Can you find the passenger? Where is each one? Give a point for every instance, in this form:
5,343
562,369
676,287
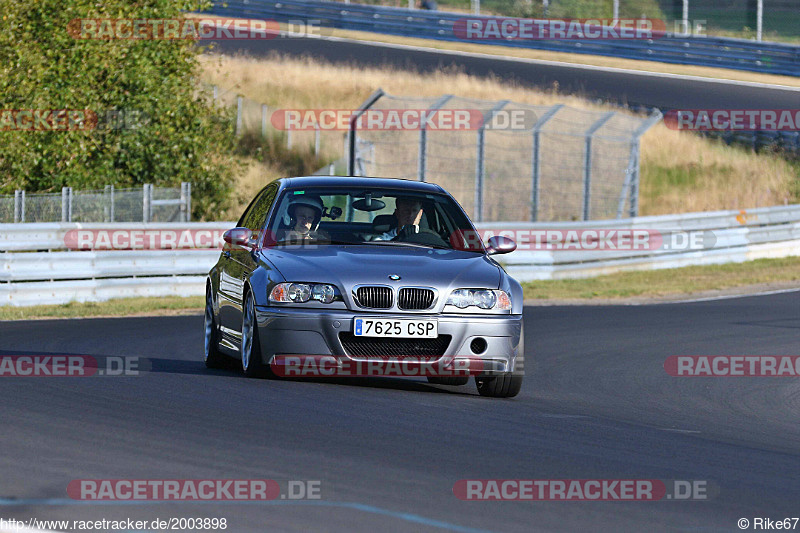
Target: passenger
408,212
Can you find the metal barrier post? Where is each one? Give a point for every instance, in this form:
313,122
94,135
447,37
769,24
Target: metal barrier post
422,160
264,120
351,138
587,162
479,163
112,204
316,139
536,163
22,204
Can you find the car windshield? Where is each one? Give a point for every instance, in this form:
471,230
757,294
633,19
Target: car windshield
376,217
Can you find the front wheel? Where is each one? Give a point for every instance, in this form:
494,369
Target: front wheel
505,385
212,356
250,350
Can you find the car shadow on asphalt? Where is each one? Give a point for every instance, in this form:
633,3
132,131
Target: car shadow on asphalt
232,369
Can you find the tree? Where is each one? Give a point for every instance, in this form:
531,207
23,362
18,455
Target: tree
147,121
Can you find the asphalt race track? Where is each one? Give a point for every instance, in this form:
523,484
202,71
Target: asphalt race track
616,86
597,404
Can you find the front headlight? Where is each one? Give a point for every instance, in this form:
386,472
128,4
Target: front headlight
302,292
482,298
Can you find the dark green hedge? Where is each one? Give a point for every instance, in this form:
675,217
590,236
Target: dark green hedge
171,134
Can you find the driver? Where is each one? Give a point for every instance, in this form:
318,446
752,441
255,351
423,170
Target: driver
305,213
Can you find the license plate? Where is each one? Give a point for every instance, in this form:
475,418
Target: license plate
405,328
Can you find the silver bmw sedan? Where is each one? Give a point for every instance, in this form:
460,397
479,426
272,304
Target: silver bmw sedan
332,273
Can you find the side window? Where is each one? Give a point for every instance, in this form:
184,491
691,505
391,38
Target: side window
255,216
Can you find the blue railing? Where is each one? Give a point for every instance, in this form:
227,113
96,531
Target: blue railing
740,54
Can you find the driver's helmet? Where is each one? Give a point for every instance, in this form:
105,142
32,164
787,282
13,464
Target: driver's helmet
313,202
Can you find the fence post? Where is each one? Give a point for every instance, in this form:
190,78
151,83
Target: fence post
587,162
316,139
263,120
422,162
147,198
476,7
288,136
16,205
351,134
188,201
239,115
182,217
479,164
759,20
536,163
22,204
634,165
216,92
112,203
66,204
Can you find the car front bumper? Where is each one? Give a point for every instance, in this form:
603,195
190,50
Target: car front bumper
312,332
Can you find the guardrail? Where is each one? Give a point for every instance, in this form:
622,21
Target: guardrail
30,275
740,54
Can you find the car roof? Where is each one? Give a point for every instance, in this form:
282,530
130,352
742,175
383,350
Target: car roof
358,181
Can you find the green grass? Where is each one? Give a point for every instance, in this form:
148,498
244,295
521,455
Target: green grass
668,282
118,307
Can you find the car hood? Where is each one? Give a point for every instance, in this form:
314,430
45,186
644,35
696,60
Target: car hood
350,265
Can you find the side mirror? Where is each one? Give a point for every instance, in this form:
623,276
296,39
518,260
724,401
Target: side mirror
500,245
239,237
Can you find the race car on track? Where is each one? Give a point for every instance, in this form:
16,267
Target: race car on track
360,269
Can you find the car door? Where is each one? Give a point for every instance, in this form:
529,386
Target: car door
237,265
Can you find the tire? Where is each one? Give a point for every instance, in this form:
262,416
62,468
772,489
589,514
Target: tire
449,380
505,385
250,350
508,384
212,357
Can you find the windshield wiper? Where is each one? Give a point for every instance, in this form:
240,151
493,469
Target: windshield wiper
414,244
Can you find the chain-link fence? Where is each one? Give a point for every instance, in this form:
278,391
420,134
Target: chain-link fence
146,204
511,161
254,117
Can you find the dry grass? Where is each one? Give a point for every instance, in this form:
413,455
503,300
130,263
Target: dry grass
255,177
684,173
681,172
